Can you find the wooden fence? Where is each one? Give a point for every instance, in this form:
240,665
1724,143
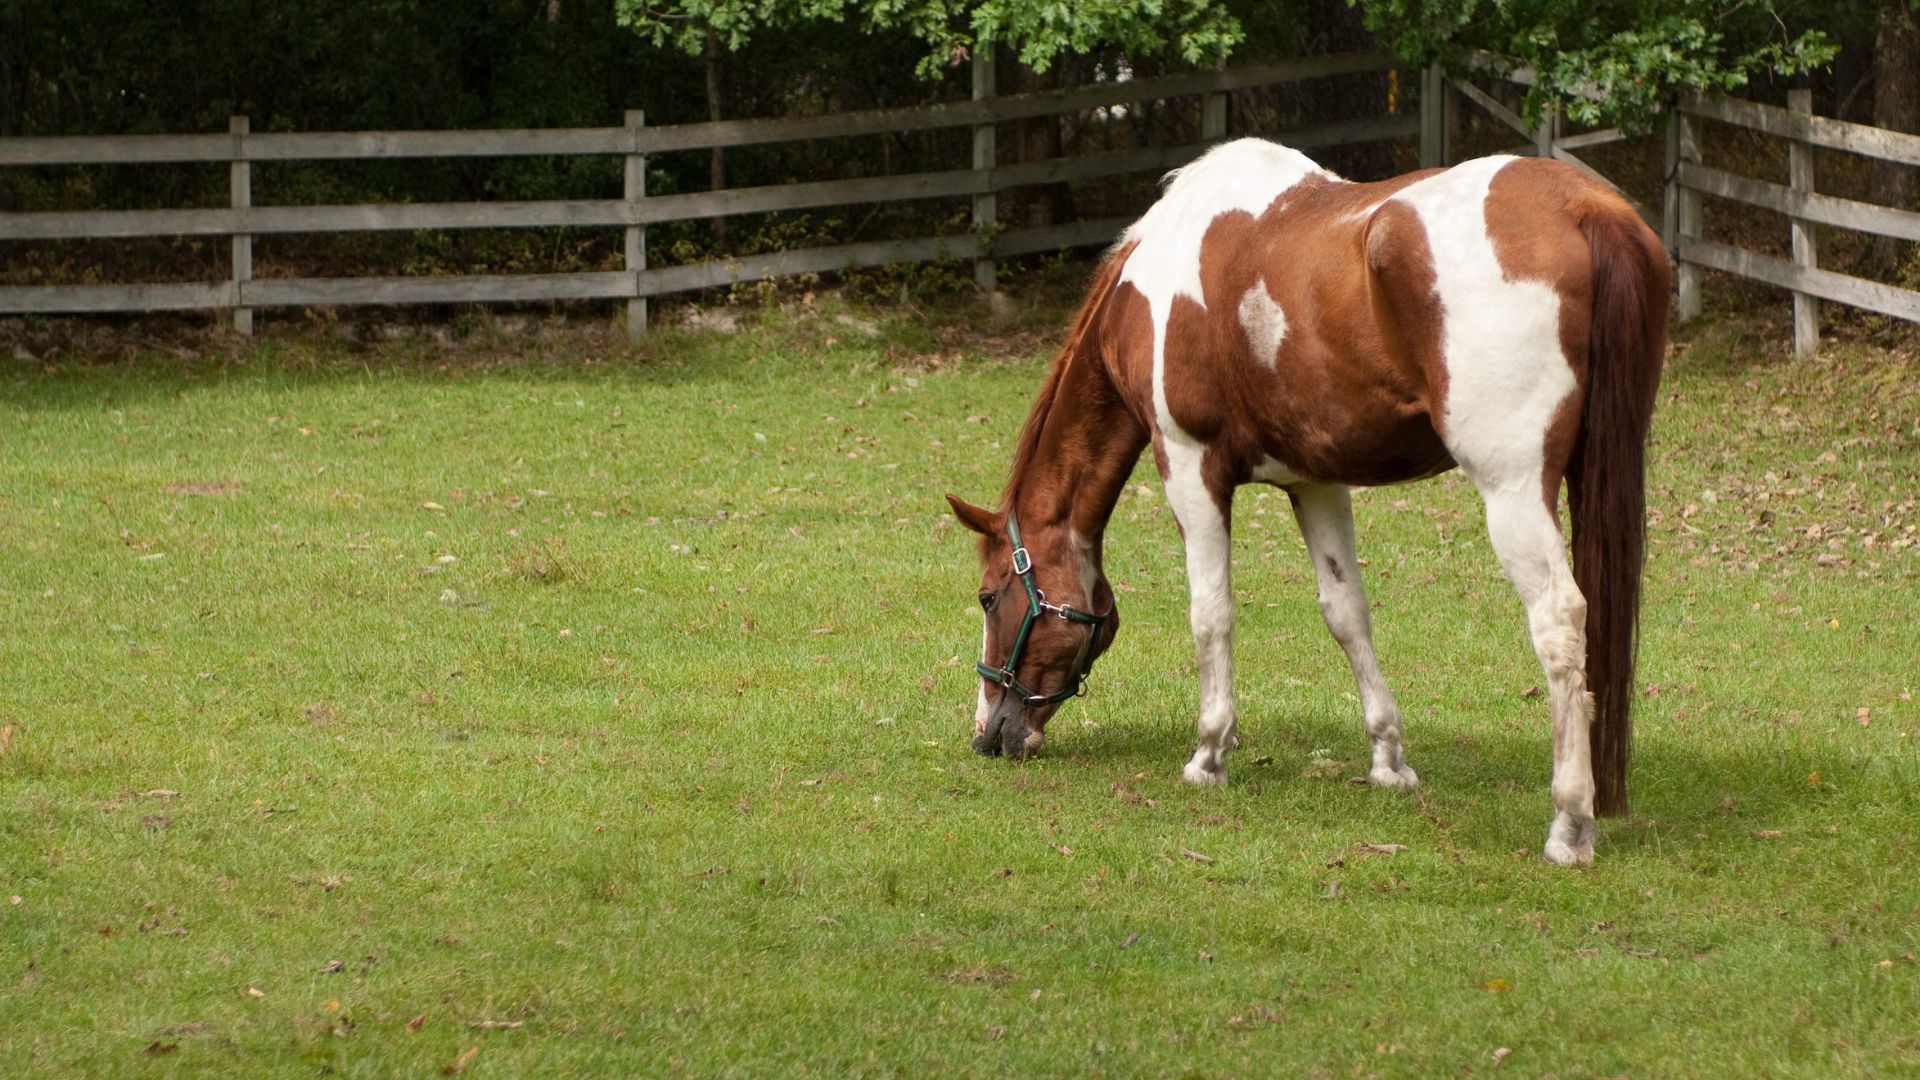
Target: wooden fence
635,210
1679,218
1689,178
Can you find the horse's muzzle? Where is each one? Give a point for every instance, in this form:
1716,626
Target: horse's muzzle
1008,732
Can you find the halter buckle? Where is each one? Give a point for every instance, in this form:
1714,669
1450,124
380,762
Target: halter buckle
1022,562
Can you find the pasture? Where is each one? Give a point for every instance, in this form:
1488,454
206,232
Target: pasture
538,704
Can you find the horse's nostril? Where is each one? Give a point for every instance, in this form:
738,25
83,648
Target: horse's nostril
988,740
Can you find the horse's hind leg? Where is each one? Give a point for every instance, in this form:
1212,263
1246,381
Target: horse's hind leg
1325,515
1527,539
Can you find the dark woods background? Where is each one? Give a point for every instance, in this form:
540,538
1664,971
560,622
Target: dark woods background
100,67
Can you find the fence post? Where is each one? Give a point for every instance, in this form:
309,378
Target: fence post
1213,116
1546,132
636,190
240,192
1433,117
1680,217
986,207
1806,307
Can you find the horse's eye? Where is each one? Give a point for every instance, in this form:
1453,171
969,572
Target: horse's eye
987,599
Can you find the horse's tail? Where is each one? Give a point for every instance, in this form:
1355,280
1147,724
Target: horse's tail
1606,478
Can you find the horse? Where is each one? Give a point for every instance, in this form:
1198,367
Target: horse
1267,321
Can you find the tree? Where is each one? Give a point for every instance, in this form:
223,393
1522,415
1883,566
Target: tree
1038,31
1616,60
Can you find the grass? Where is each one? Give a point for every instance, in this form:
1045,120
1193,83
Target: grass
533,706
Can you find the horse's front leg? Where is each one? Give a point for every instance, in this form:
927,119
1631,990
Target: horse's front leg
1204,512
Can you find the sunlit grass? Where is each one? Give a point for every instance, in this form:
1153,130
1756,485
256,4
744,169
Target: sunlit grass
619,701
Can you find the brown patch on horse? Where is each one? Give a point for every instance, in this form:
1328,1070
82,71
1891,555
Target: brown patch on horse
1333,567
1534,210
1339,402
1406,299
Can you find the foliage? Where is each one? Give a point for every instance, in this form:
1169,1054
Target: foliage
1615,62
1039,31
536,707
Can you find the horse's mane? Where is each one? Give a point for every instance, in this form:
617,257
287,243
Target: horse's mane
1077,341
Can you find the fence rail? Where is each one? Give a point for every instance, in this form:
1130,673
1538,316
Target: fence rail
635,210
1805,208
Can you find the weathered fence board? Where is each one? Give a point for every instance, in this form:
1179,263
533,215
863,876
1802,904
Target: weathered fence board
1818,130
1811,205
1805,209
1841,288
242,220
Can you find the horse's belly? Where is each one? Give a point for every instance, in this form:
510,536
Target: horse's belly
1365,444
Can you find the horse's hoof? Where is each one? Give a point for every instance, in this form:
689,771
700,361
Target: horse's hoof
1196,773
1402,777
1561,853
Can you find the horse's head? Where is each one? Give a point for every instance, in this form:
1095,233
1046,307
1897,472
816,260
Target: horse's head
1049,614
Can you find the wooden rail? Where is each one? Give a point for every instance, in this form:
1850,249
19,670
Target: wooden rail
1806,209
244,219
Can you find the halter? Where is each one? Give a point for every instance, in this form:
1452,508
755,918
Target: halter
1037,603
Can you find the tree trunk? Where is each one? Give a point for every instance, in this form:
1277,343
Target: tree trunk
717,175
1896,105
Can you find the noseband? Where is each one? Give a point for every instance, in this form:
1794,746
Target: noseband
1037,604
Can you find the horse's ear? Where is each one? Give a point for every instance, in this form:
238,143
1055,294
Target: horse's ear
979,519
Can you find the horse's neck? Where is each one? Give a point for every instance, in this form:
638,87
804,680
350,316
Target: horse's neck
1088,447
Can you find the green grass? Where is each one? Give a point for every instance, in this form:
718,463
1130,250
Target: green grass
624,697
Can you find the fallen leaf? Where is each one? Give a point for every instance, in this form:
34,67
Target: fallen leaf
1496,986
1767,834
156,1048
162,793
417,1022
6,738
1196,856
1864,715
334,967
431,506
1062,849
496,1025
460,1063
1206,957
1131,938
1385,849
1500,1055
1333,891
1530,692
254,991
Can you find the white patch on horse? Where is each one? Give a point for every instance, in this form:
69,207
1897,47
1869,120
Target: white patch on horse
1273,471
1496,331
982,711
1265,324
1248,176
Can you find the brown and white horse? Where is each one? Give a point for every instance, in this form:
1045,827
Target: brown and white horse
1267,321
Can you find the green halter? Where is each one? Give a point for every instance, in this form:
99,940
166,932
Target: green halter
1036,604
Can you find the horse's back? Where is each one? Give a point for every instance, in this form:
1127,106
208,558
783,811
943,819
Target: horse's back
1302,325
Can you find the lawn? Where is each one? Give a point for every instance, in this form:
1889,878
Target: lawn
531,704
